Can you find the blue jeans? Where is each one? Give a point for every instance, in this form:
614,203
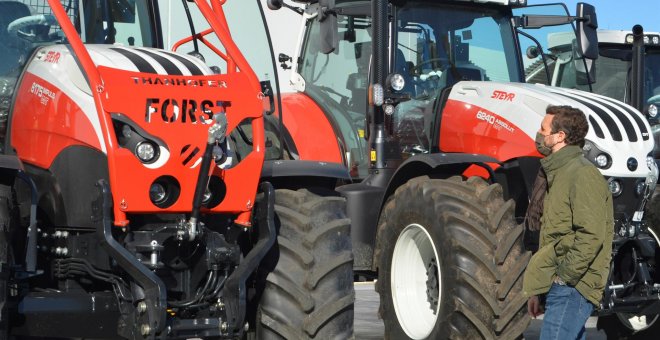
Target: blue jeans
566,312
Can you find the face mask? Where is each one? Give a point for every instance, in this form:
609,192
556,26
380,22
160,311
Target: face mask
540,144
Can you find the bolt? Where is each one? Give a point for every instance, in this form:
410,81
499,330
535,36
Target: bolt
65,234
246,327
141,307
58,234
145,329
220,304
44,235
224,326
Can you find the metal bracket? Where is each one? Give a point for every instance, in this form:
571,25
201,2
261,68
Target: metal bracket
155,294
234,291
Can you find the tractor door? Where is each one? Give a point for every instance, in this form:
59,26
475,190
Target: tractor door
337,82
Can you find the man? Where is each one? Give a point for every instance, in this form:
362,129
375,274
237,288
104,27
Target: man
577,223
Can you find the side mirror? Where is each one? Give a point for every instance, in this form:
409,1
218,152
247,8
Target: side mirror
328,26
275,4
532,52
586,30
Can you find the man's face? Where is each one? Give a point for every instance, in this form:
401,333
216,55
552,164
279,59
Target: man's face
551,139
546,130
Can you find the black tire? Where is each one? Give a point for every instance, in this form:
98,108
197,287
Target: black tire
309,294
474,278
652,210
6,220
615,329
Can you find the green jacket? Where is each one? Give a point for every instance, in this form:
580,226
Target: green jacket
577,227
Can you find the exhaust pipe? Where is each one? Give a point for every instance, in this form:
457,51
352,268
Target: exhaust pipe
637,69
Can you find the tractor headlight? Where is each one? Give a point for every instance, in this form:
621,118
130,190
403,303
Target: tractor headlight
598,157
602,161
630,38
652,111
639,188
615,187
147,152
157,193
396,81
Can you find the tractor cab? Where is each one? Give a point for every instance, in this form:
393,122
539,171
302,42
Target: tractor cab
433,46
26,25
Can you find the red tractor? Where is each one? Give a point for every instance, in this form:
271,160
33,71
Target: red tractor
425,104
134,200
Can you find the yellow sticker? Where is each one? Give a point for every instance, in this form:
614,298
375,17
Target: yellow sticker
373,155
361,133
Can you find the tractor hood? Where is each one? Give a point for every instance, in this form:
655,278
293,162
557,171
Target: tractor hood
142,59
615,128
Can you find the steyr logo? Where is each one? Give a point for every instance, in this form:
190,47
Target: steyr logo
501,95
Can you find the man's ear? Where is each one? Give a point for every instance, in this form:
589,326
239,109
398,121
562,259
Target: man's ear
562,135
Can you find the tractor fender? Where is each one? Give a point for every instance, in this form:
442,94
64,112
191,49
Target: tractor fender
296,174
10,163
436,163
9,166
365,200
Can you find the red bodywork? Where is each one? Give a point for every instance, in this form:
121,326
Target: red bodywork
310,129
61,124
468,128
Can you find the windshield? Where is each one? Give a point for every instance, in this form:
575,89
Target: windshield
613,73
438,46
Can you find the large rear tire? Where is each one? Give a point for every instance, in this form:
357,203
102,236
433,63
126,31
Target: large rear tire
309,294
6,220
451,261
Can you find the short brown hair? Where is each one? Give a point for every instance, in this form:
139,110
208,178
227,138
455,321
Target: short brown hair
570,120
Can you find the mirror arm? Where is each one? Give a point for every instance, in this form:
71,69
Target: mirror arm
543,55
298,10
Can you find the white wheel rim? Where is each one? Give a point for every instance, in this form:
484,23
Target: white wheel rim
413,252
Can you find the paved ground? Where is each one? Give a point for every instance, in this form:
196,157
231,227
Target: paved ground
368,326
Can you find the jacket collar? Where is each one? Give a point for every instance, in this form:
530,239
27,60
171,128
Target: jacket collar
558,159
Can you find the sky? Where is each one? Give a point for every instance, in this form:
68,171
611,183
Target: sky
620,14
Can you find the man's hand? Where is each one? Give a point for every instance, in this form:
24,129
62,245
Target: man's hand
534,306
